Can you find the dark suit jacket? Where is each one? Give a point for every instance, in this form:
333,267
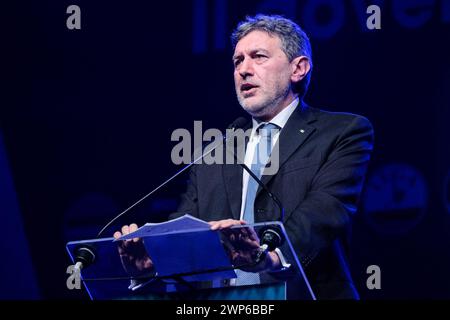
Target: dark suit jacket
319,181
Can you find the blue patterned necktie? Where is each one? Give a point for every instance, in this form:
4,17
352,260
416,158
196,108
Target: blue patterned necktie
260,157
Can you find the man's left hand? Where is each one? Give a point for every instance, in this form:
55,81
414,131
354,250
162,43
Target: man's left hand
244,246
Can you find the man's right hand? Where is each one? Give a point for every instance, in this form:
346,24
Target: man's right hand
133,255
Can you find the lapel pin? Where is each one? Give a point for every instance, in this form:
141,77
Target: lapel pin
302,131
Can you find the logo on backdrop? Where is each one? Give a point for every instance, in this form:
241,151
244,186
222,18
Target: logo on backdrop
395,199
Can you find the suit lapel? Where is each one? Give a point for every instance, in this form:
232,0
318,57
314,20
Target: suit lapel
296,131
232,175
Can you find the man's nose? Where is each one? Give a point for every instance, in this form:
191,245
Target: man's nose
246,68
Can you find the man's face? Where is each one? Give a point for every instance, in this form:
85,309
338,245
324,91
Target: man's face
262,75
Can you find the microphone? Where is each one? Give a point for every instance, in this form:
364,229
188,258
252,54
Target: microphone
271,238
239,123
84,256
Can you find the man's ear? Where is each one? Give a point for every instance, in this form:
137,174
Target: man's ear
300,68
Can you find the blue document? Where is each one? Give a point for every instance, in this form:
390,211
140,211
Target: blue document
185,245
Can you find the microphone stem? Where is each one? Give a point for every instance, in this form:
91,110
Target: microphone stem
78,266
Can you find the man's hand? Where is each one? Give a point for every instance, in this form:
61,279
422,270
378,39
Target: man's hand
133,255
243,246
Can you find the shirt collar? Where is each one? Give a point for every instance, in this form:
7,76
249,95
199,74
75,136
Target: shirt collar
281,118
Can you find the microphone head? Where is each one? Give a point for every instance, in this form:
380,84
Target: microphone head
238,123
85,254
272,236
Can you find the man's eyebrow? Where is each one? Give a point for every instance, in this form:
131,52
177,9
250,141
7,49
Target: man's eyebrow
259,50
251,52
236,56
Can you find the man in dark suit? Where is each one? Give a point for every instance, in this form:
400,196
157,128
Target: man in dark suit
322,161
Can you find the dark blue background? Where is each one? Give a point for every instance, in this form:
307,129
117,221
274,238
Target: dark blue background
87,116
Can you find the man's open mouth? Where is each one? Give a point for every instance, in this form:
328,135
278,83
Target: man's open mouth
247,87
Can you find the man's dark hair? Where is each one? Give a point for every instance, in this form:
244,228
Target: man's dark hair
294,40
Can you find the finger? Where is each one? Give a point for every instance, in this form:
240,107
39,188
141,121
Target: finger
222,224
214,225
217,226
133,227
125,230
253,235
249,232
117,235
244,231
148,263
229,223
